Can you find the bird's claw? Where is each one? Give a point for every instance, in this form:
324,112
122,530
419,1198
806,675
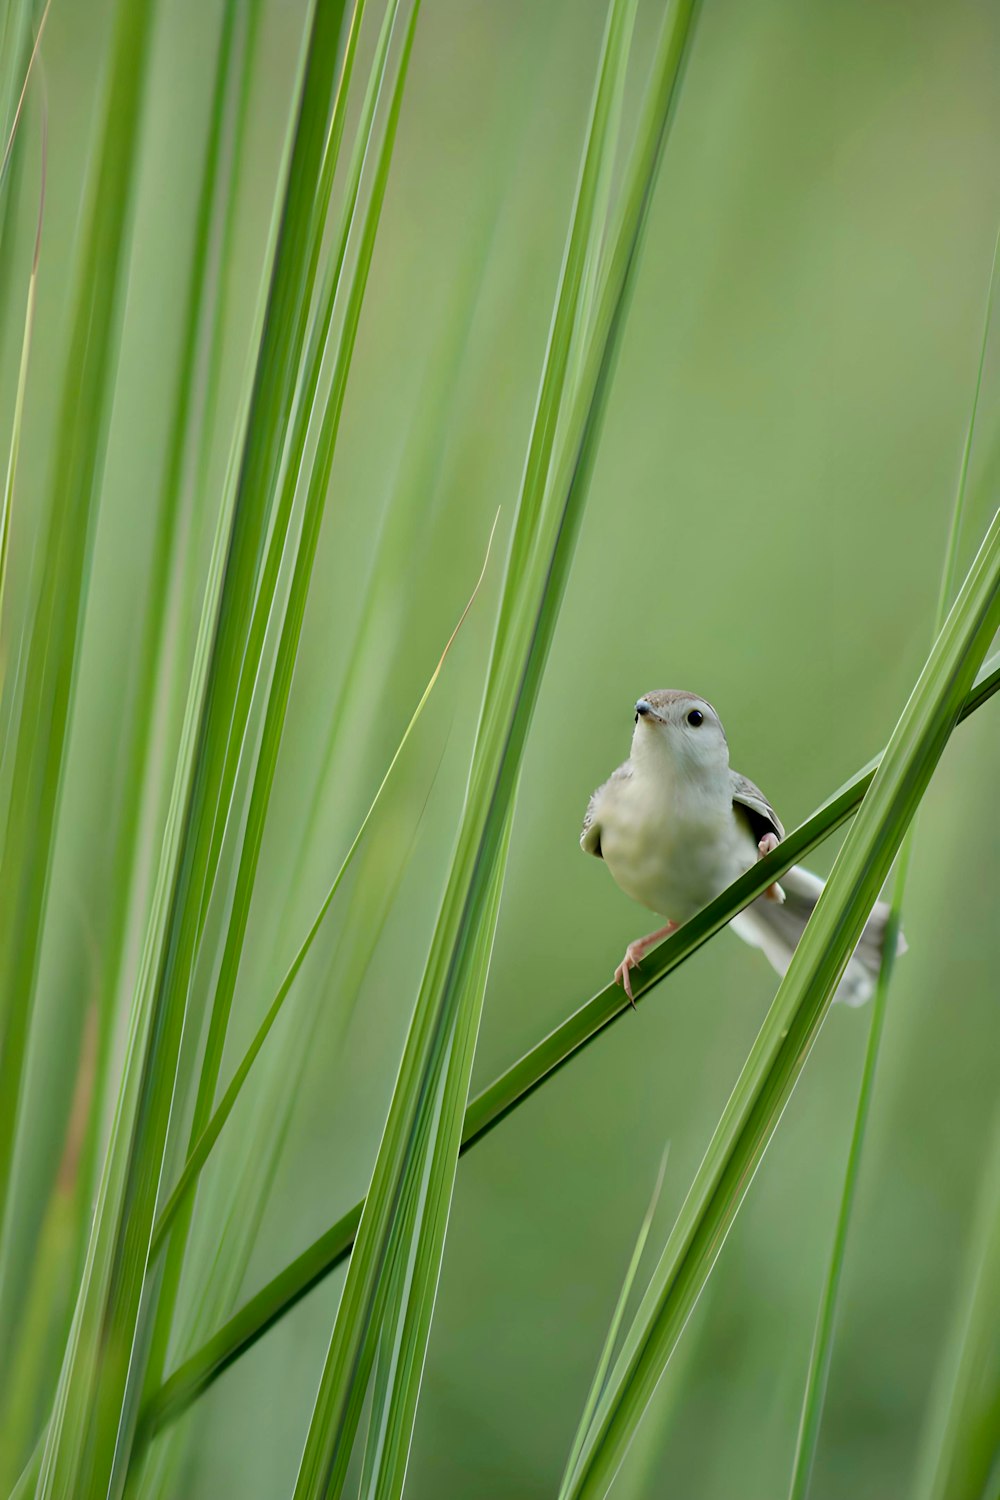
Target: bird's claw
623,972
767,843
635,953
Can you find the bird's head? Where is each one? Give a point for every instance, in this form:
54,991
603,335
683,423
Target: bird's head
679,729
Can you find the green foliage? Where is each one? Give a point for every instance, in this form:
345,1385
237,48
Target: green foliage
793,1021
958,1460
292,327
822,1349
520,1081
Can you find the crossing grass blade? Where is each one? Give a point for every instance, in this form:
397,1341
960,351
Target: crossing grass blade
961,1443
519,1082
301,566
617,1318
282,467
19,107
55,627
90,1434
793,1022
814,1395
404,1326
213,1127
7,500
251,1164
821,1352
184,482
438,1054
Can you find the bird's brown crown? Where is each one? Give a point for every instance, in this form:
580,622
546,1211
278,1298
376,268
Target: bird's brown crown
665,697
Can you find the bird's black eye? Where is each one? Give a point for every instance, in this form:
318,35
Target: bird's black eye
637,716
695,717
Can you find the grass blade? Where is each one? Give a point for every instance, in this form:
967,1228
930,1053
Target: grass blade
617,1317
182,487
9,146
442,1036
89,1438
202,1147
288,643
793,1021
814,1395
6,503
962,1438
53,650
292,395
521,1080
822,1347
416,1249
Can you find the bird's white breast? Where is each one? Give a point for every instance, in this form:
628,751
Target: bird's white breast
672,843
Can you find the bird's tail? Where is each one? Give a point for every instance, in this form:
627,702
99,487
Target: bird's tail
776,927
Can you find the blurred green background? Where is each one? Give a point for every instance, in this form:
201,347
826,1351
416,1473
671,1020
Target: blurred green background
789,409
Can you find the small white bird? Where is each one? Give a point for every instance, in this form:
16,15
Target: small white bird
675,825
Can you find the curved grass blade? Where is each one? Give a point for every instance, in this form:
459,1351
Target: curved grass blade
604,1363
296,394
90,1436
793,1022
253,1159
520,1081
53,650
9,146
814,1395
411,1282
822,1347
6,503
210,1134
48,1293
277,700
961,1446
149,723
441,1041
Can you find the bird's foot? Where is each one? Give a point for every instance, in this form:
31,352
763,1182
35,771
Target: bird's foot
768,842
635,953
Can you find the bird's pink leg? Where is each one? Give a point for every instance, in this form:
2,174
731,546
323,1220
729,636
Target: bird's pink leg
635,953
768,842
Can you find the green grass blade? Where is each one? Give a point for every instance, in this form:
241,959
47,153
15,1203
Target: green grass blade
210,1134
402,1327
520,1081
202,325
958,512
821,1353
822,1347
578,260
793,1021
19,107
419,1243
6,503
25,1486
53,650
442,1036
962,1436
103,1367
254,1162
288,643
298,408
143,724
617,1317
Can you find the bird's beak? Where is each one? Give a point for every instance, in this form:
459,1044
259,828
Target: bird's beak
646,710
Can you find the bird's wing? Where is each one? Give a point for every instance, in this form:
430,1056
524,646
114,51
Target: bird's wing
590,833
763,818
